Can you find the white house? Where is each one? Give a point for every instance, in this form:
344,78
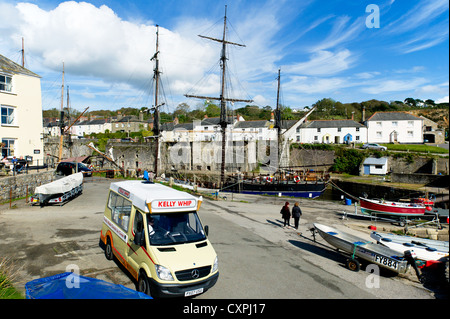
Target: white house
332,131
394,127
21,126
375,166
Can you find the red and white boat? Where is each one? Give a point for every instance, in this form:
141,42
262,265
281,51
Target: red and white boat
380,206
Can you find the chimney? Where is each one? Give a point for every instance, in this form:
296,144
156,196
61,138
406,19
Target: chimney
363,119
141,116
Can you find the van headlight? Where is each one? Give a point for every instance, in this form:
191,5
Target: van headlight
215,265
163,273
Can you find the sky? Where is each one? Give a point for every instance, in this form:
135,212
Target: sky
350,51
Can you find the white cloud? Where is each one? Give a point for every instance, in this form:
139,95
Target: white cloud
385,86
323,63
442,100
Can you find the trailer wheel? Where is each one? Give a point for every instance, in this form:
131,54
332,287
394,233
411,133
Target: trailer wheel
353,264
108,250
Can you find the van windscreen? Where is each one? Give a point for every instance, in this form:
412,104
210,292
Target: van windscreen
174,228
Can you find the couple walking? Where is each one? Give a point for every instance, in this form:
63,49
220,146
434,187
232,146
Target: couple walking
286,214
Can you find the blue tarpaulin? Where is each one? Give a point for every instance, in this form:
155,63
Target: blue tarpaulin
69,285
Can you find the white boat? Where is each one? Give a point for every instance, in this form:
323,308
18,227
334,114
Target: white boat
58,191
419,247
364,249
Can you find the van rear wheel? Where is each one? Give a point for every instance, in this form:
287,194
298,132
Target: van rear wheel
108,250
143,283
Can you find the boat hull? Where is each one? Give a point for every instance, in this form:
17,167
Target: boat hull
305,190
421,251
369,251
375,207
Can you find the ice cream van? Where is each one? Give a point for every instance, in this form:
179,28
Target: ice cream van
155,233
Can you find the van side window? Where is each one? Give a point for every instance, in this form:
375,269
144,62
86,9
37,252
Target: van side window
137,218
120,210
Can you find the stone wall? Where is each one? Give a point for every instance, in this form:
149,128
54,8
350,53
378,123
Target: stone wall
17,185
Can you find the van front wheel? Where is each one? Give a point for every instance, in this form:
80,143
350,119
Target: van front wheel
143,283
108,250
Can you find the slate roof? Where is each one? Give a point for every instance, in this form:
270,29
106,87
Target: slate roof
331,124
252,124
393,116
8,66
375,161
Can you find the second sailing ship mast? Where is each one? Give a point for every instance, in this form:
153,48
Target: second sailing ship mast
223,99
156,75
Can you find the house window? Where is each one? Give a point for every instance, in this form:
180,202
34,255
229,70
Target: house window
357,137
410,133
378,166
298,138
357,129
410,123
318,130
298,130
379,134
316,138
339,129
394,123
7,147
379,124
5,83
7,115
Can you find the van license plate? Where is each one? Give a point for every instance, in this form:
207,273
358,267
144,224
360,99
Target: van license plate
193,292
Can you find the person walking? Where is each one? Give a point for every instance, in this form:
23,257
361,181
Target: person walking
296,214
286,214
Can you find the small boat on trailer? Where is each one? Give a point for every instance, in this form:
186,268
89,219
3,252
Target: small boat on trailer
383,207
59,191
357,247
424,249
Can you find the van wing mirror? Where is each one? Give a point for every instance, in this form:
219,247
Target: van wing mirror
206,230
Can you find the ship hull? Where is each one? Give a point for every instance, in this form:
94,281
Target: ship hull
306,190
375,207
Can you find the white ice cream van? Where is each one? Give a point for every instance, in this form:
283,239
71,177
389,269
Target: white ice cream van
155,233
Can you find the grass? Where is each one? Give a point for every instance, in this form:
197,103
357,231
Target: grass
7,277
420,148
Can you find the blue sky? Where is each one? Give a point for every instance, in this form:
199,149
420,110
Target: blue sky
325,49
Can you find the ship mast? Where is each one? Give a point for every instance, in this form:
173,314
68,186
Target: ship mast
156,77
223,99
277,124
61,124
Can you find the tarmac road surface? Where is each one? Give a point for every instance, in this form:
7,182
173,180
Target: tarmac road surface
257,257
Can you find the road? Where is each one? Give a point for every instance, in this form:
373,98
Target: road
257,257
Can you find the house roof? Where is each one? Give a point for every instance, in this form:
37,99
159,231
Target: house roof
9,66
331,124
393,116
375,161
252,124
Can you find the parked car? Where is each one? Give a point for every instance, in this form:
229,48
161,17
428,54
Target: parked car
374,146
68,168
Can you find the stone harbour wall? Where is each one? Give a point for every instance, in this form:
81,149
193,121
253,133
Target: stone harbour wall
16,186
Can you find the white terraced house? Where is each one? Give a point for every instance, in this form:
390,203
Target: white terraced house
21,126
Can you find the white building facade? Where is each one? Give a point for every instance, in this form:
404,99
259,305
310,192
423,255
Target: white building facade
394,127
331,132
21,126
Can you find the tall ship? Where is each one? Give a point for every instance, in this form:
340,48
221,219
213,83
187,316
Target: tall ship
285,181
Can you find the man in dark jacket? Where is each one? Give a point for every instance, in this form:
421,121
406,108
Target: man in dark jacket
296,213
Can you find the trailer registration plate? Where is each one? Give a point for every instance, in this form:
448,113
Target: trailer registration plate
385,261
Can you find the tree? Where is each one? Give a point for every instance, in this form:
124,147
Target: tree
410,101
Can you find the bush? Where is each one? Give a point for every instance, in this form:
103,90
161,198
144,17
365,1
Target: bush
347,161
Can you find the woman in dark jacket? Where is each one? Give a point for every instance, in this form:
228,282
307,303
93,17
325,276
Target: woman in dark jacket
296,213
286,214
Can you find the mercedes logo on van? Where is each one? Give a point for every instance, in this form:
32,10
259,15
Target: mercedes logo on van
195,274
